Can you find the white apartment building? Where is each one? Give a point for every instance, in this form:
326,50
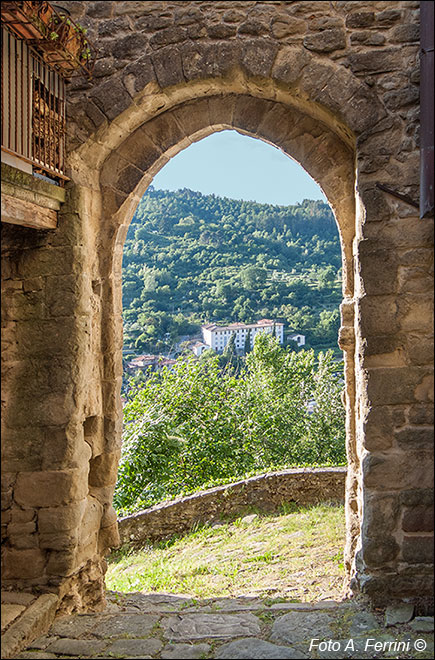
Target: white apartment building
217,337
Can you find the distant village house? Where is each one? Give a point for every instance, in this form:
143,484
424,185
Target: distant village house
149,362
217,337
298,338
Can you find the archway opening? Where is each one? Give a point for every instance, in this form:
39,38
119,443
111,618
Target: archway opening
195,260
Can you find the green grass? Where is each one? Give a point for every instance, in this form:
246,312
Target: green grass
297,555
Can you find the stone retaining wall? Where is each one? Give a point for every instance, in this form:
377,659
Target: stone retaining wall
266,493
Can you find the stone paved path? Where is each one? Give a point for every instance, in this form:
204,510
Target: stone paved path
175,626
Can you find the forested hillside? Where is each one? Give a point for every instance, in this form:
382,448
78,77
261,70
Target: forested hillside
191,258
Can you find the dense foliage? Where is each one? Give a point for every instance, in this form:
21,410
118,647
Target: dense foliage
191,258
200,424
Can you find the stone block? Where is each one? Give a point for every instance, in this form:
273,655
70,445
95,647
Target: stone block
129,46
22,515
104,469
288,65
368,37
111,97
188,16
62,518
402,97
24,528
326,41
385,60
167,36
417,313
128,177
91,521
379,551
414,437
378,313
17,597
233,16
168,66
422,624
138,74
210,626
396,386
294,627
284,26
52,410
193,117
387,17
108,538
416,497
109,516
221,31
360,19
125,625
22,448
23,564
418,549
248,648
65,449
398,614
415,279
45,489
62,541
258,56
418,519
382,346
221,110
9,613
425,390
406,32
379,427
397,471
103,494
204,61
133,8
381,514
163,132
22,541
377,281
61,563
421,414
249,113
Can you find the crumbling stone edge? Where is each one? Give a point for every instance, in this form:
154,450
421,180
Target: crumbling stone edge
265,493
33,623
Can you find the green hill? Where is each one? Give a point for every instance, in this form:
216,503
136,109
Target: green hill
191,258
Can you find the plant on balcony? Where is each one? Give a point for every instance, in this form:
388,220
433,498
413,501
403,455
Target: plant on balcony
66,46
62,42
28,19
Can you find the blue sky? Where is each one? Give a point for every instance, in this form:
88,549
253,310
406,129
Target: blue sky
233,165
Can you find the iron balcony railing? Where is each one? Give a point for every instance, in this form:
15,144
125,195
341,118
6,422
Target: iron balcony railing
33,108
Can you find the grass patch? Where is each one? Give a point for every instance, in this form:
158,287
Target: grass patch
296,555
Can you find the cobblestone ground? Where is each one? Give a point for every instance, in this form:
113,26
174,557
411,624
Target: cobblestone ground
141,625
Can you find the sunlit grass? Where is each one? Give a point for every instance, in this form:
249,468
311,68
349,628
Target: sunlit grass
297,554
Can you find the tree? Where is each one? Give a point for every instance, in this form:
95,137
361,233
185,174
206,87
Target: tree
199,423
253,277
247,347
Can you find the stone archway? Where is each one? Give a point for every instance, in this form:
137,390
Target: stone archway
317,87
324,155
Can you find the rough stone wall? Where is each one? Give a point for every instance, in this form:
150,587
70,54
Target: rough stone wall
335,85
265,493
